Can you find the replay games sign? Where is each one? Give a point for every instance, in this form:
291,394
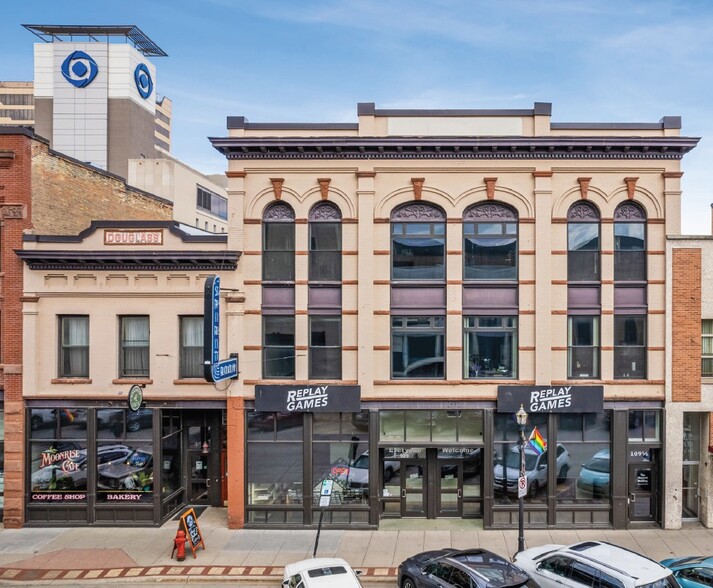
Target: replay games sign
308,398
536,399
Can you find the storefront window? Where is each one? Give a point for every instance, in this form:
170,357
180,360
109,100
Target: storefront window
58,447
644,425
124,455
585,475
340,452
412,426
507,459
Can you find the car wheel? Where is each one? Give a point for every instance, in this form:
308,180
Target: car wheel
562,476
408,583
532,490
35,422
388,474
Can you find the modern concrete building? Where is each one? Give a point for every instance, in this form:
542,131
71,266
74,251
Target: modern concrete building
413,278
95,94
17,104
198,200
689,381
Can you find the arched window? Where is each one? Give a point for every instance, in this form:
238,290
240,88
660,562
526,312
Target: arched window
629,243
278,265
325,268
489,242
630,297
583,245
278,243
325,243
418,242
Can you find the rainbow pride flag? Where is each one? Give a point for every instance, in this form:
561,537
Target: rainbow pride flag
537,442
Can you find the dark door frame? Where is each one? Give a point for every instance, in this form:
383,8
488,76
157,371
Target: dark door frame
423,491
651,494
458,491
210,420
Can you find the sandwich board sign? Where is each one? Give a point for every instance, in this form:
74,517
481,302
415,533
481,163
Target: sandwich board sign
189,522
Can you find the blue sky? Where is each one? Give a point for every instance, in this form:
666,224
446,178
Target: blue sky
313,60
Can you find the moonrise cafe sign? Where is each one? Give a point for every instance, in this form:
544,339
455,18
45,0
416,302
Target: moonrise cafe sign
536,399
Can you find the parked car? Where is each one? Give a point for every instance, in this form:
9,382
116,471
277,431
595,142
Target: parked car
113,419
321,573
358,475
692,571
470,568
593,480
133,473
593,563
507,471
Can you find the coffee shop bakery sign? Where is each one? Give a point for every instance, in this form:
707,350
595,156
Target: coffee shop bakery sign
308,398
536,399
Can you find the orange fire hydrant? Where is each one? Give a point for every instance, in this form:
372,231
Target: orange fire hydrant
179,545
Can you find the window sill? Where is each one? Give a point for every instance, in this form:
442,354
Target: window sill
132,381
71,381
191,382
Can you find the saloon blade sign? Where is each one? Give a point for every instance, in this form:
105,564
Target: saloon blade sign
214,368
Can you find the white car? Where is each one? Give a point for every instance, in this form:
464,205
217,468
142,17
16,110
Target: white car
535,470
321,572
593,563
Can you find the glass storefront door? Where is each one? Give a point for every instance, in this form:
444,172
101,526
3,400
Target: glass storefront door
691,462
203,451
450,488
642,492
413,487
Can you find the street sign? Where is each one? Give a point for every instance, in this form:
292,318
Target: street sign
326,488
522,487
324,501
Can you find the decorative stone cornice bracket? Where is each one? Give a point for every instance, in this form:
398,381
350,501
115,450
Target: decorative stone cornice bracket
490,187
417,187
277,186
324,187
630,187
584,187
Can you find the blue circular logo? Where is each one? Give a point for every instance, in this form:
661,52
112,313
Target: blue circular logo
79,69
144,83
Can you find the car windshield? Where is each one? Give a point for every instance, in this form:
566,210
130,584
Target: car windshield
329,571
137,459
667,582
361,462
598,464
513,460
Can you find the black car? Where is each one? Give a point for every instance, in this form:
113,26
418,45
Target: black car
470,568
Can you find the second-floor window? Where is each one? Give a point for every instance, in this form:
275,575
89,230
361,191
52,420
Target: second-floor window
74,347
278,350
490,346
707,341
630,347
325,347
191,361
134,347
583,246
583,346
418,346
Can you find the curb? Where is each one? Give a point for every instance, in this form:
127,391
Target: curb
168,573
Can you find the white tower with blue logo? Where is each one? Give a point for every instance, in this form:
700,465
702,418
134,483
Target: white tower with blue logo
95,100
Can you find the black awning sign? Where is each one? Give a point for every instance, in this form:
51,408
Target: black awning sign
535,399
308,398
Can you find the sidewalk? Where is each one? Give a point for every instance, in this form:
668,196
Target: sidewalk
140,555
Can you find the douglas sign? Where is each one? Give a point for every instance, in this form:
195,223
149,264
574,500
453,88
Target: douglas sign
551,398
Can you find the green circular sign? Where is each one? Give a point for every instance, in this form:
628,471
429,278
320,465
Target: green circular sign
136,397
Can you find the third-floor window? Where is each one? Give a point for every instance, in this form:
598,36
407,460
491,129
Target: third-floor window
629,243
325,243
583,247
278,243
418,242
489,242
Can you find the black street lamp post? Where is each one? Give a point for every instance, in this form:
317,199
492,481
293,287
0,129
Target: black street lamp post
521,417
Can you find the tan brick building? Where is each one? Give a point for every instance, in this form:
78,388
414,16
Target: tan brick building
412,278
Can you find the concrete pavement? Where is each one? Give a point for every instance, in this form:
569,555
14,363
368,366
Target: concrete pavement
88,556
